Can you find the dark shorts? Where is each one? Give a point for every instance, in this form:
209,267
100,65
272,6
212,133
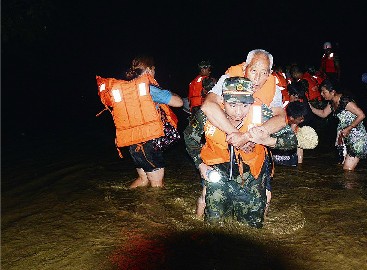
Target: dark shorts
285,158
146,157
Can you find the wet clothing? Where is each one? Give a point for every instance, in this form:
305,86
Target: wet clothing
356,141
242,196
230,198
286,158
145,156
136,110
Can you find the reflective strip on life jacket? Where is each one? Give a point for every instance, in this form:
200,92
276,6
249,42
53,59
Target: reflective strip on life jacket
195,89
134,113
328,63
215,150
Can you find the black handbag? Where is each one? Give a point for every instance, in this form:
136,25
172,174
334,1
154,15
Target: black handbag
171,134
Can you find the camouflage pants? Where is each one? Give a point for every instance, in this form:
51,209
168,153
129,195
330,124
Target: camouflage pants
246,203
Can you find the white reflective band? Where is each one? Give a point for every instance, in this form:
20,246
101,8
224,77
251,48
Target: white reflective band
331,55
281,88
199,80
285,103
276,80
284,75
315,77
210,130
102,87
116,95
142,89
256,116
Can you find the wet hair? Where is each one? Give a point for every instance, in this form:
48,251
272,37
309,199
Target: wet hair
252,54
138,66
297,109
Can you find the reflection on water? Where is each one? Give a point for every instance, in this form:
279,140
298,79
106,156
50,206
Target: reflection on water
62,211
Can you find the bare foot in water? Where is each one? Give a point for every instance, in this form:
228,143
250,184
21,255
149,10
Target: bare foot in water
139,183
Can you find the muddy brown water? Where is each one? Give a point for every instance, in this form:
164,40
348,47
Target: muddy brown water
66,205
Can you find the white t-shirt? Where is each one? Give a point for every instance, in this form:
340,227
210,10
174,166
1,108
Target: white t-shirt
277,100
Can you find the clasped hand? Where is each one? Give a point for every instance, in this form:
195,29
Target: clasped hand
246,141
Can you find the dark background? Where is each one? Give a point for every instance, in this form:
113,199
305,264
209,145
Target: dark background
52,50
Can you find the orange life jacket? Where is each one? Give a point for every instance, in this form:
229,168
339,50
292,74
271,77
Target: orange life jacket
328,64
264,95
281,81
236,71
133,110
195,89
215,150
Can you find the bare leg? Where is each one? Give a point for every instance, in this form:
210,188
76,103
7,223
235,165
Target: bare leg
350,163
300,155
200,207
156,177
268,199
142,180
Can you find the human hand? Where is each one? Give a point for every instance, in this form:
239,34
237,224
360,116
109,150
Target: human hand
238,139
260,135
248,147
203,169
345,132
258,132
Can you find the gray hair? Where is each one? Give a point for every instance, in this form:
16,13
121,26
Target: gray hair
252,54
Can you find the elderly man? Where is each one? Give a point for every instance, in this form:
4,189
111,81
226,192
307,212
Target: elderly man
257,68
238,189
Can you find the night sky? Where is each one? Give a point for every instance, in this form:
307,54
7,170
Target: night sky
51,52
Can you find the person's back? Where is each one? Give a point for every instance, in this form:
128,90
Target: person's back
136,104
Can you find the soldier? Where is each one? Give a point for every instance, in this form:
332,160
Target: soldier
235,179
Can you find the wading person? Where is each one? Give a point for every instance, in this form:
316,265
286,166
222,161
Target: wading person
235,179
296,113
257,68
350,130
137,115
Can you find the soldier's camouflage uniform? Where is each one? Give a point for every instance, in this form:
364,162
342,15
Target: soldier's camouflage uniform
242,198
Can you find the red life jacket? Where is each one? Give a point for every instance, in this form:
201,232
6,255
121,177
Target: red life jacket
195,89
313,87
328,64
